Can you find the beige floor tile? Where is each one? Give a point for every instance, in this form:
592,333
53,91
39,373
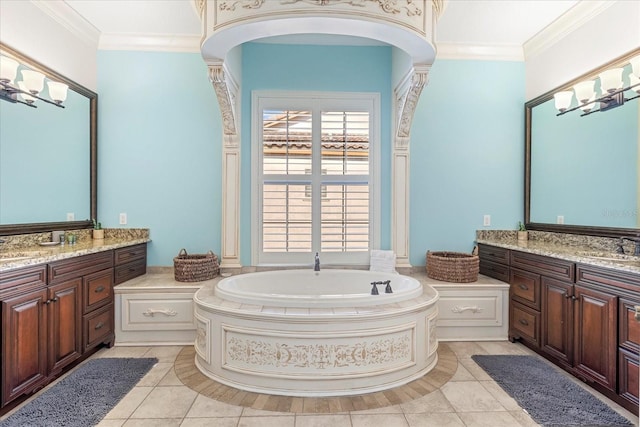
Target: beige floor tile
391,409
155,374
462,374
488,419
164,353
166,402
523,418
206,407
502,396
129,403
170,378
474,369
502,347
442,419
210,422
386,420
274,421
470,396
155,422
122,352
466,348
111,423
432,402
323,421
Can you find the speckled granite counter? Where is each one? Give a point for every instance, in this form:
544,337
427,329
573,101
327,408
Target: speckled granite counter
33,255
581,250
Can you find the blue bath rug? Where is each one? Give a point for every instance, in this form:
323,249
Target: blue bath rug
550,398
83,397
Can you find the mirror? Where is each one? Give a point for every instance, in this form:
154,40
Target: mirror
48,159
581,172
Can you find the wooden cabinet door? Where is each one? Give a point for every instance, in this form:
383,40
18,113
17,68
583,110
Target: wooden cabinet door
65,322
557,320
24,344
595,335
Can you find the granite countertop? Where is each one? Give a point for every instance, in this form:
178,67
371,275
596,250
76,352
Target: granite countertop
575,253
34,255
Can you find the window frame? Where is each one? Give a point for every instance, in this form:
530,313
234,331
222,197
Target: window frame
315,102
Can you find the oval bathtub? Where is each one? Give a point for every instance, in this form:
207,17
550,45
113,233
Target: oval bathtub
298,333
308,288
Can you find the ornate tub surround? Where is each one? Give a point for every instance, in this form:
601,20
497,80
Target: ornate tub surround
408,25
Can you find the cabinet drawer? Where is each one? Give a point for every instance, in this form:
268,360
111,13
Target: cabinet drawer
525,323
131,253
628,374
157,312
525,288
125,272
81,266
629,327
495,270
493,254
22,280
550,267
97,290
98,327
470,309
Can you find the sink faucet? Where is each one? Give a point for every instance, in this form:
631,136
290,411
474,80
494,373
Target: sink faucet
635,240
316,266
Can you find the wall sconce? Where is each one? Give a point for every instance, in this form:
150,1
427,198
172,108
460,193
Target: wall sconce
27,91
611,91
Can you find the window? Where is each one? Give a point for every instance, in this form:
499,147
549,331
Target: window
315,160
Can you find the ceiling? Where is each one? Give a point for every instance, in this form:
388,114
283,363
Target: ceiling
484,23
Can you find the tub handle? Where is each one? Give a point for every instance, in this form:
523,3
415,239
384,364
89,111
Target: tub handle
374,288
150,312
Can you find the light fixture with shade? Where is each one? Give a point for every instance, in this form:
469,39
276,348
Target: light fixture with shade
28,90
611,85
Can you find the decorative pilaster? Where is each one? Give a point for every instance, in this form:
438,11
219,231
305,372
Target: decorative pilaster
406,96
227,93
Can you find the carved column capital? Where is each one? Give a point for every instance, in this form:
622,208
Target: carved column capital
438,7
226,92
407,96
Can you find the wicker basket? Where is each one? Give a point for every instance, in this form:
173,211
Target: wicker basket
195,268
455,267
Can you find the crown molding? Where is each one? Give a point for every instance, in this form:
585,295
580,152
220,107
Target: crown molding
66,16
479,52
150,42
568,22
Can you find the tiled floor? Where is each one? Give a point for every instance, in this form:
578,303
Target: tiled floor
470,398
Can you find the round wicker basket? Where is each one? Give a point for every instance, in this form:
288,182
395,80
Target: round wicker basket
455,267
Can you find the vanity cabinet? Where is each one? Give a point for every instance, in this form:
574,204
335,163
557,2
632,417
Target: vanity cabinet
581,317
54,315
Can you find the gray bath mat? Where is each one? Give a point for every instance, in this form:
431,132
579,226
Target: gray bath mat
550,398
85,396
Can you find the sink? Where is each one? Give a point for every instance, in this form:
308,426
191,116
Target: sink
20,255
611,257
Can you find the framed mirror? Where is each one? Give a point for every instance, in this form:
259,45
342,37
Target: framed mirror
581,171
48,158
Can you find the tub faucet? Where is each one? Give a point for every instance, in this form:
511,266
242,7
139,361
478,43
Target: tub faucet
316,266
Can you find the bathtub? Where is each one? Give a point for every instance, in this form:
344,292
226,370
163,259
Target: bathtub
306,333
308,288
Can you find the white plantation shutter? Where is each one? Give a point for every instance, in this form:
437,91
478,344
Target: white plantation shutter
314,181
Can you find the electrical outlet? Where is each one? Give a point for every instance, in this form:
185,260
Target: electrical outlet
123,219
560,219
486,220
71,216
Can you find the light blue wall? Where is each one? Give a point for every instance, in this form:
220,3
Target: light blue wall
159,151
314,68
467,154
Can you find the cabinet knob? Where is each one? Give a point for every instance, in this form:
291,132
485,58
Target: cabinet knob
523,287
99,289
99,325
48,302
573,297
523,322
